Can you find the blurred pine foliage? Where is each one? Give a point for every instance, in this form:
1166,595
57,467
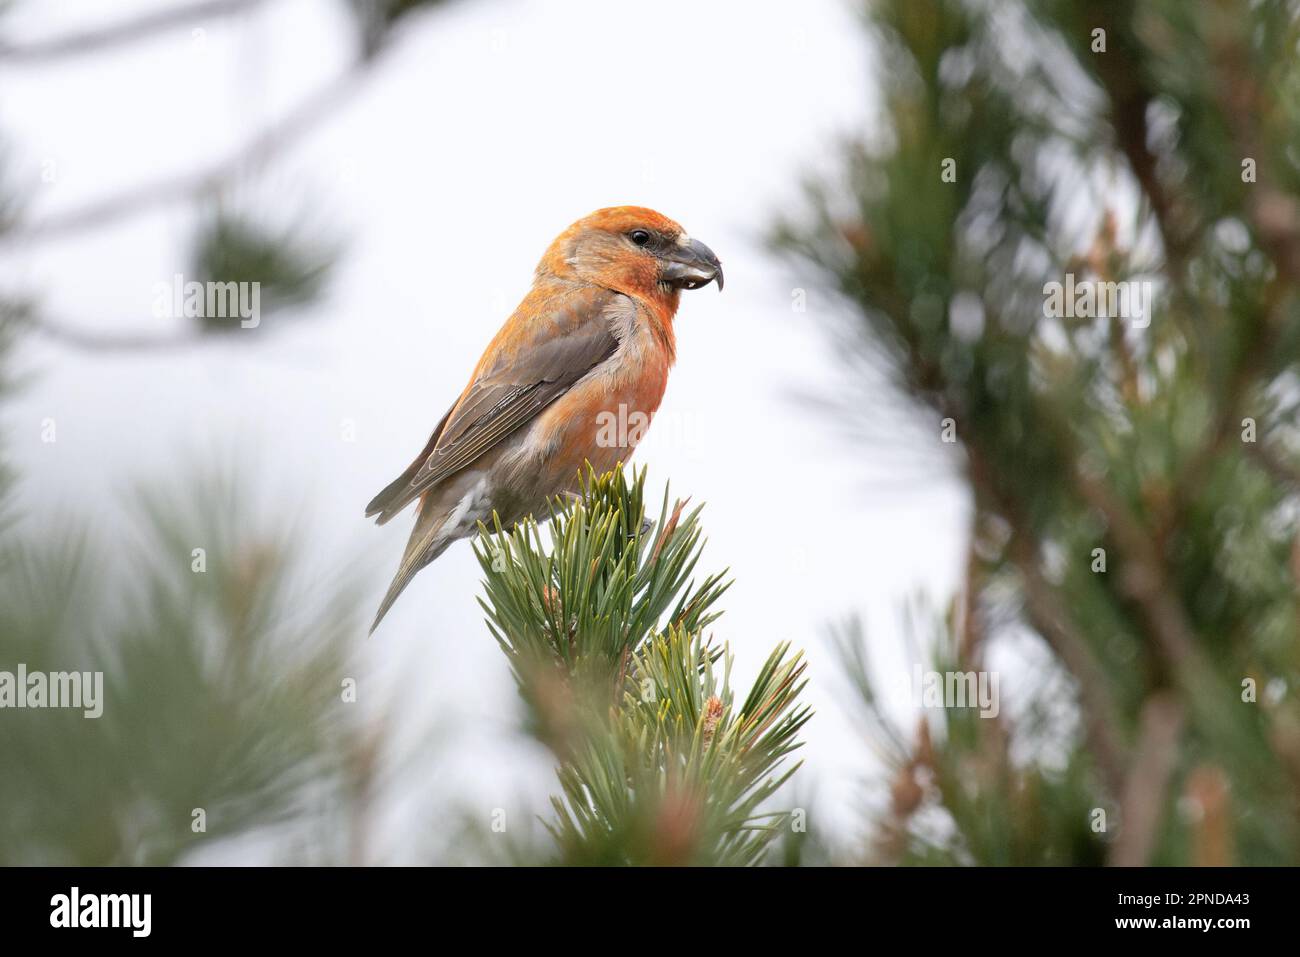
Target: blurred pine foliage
222,688
224,716
1146,140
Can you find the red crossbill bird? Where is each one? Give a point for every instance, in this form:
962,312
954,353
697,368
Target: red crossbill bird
593,338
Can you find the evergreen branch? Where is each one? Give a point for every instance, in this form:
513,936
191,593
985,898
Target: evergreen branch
1146,794
1130,100
942,237
604,633
1050,618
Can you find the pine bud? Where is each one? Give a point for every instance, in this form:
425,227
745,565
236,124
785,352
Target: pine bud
712,715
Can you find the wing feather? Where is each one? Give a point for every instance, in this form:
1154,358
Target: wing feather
571,338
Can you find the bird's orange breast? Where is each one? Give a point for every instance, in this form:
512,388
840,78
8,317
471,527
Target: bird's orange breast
603,418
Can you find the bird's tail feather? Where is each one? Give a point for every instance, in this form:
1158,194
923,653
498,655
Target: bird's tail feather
426,543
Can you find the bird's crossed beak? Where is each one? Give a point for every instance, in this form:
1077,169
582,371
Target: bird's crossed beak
691,265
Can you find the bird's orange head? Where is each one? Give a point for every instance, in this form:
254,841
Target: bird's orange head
632,250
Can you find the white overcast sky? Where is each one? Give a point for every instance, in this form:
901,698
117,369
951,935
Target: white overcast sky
492,126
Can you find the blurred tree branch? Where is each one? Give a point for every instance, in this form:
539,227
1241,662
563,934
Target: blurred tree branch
1119,511
1146,793
131,30
294,277
287,266
201,184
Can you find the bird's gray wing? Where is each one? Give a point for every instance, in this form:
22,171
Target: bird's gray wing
514,384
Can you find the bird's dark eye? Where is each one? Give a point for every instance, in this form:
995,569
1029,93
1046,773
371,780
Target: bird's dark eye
639,237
